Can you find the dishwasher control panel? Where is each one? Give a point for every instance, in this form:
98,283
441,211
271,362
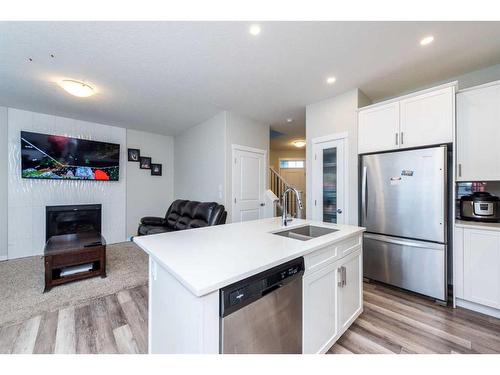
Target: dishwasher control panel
237,295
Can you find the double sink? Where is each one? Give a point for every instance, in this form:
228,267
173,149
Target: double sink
305,233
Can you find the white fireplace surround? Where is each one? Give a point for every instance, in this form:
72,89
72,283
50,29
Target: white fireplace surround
28,197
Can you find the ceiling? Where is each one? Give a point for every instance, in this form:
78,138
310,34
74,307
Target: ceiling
164,77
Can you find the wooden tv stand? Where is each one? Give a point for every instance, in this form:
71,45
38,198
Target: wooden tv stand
72,250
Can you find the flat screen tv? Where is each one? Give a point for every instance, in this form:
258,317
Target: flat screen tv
64,158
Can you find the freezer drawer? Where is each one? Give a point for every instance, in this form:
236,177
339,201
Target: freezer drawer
413,265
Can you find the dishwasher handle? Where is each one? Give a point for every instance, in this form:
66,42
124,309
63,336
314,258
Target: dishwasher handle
271,289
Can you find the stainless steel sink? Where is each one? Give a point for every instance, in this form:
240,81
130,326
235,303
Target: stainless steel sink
305,233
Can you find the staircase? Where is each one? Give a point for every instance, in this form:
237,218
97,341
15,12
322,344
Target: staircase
277,184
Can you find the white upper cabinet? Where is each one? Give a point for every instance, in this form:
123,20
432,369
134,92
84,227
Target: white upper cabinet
427,119
478,134
379,128
420,119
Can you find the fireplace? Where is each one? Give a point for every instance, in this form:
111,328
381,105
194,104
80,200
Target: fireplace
72,219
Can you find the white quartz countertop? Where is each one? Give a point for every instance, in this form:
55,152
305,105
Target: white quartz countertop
207,259
477,225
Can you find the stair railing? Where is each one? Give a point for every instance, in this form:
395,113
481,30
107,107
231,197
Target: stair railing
278,185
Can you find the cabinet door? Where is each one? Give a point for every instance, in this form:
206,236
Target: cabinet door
378,128
478,132
427,119
350,290
319,309
482,267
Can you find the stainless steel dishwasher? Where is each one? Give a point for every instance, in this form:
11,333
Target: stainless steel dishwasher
263,313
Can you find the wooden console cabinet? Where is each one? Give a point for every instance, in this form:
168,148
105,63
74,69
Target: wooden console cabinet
73,250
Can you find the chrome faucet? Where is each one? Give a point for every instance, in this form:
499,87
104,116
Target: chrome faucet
285,219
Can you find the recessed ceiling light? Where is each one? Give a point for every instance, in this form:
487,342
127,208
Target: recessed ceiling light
331,80
77,88
427,40
254,29
299,143
289,120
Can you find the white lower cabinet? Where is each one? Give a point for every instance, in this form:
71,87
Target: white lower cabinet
482,267
332,299
350,297
320,308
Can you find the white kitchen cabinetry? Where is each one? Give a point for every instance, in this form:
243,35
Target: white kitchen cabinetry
478,133
350,289
476,258
332,298
482,267
379,128
320,308
420,119
427,119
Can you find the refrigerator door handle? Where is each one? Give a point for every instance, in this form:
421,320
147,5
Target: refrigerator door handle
404,242
364,191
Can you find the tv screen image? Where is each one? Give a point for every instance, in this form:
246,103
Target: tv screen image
57,157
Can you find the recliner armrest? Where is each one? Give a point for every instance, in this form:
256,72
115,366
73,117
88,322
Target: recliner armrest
151,220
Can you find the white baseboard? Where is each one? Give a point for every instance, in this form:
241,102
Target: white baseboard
3,257
491,311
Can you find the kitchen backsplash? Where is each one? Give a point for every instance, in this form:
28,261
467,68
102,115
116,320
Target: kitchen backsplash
466,188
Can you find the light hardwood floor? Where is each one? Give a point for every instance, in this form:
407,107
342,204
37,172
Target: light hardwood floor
393,321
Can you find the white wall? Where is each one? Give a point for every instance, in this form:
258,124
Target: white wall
149,195
199,162
203,157
243,131
336,115
28,198
3,183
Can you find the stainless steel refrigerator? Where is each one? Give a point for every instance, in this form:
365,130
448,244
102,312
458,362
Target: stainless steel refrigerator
404,210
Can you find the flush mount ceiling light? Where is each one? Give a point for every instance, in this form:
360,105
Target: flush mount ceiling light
331,80
77,88
427,40
254,30
299,143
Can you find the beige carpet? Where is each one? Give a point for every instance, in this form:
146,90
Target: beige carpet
22,283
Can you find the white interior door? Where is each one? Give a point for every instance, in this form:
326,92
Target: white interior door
249,182
328,181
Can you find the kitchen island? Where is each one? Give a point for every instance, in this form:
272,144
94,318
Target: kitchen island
188,268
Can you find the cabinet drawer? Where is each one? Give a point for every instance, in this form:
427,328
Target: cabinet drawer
348,246
321,257
331,253
73,258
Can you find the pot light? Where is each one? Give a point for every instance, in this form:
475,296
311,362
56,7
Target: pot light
331,80
427,40
299,143
289,120
254,30
77,88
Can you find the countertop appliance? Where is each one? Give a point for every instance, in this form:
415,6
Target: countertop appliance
404,208
480,206
263,313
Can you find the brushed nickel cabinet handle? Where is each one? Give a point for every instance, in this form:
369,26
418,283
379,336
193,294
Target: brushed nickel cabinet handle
396,139
402,139
460,170
340,282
